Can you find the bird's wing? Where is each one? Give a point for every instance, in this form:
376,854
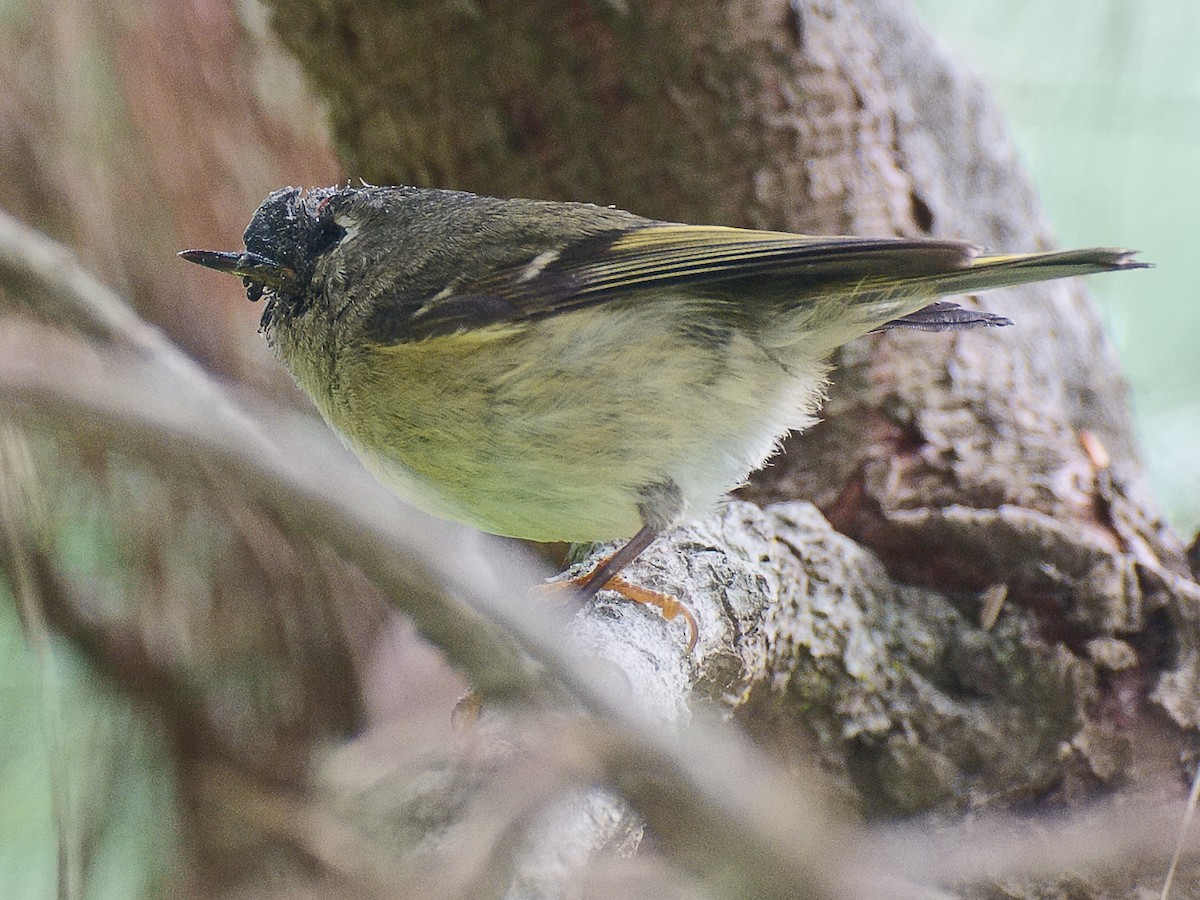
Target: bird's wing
614,263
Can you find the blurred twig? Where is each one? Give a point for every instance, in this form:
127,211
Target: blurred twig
1126,836
154,403
156,400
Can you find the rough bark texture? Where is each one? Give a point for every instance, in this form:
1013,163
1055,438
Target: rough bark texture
951,472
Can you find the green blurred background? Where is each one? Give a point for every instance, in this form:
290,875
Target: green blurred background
1104,99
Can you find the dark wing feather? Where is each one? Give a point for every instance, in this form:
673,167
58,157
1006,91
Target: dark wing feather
597,268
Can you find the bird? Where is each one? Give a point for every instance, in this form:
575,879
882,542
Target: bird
559,371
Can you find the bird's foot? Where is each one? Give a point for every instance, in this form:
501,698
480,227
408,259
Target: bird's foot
668,606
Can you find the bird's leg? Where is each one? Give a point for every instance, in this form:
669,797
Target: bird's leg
608,567
604,576
665,603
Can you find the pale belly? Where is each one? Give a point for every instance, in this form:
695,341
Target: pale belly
551,433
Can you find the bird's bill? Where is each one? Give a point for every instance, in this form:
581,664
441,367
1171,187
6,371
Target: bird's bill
248,265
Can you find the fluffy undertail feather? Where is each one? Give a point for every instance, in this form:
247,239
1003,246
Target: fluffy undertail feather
943,315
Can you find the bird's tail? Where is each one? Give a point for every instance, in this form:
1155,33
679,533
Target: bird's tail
1007,270
912,302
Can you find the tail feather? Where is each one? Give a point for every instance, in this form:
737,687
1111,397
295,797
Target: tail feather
913,304
987,272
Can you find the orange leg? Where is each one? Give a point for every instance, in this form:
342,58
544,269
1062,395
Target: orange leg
466,711
665,603
604,575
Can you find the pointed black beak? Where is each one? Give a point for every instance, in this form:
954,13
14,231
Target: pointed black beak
248,265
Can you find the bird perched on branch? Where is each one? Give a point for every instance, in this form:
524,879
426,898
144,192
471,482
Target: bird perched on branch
569,372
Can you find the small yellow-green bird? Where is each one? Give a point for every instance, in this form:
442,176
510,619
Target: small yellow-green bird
569,372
